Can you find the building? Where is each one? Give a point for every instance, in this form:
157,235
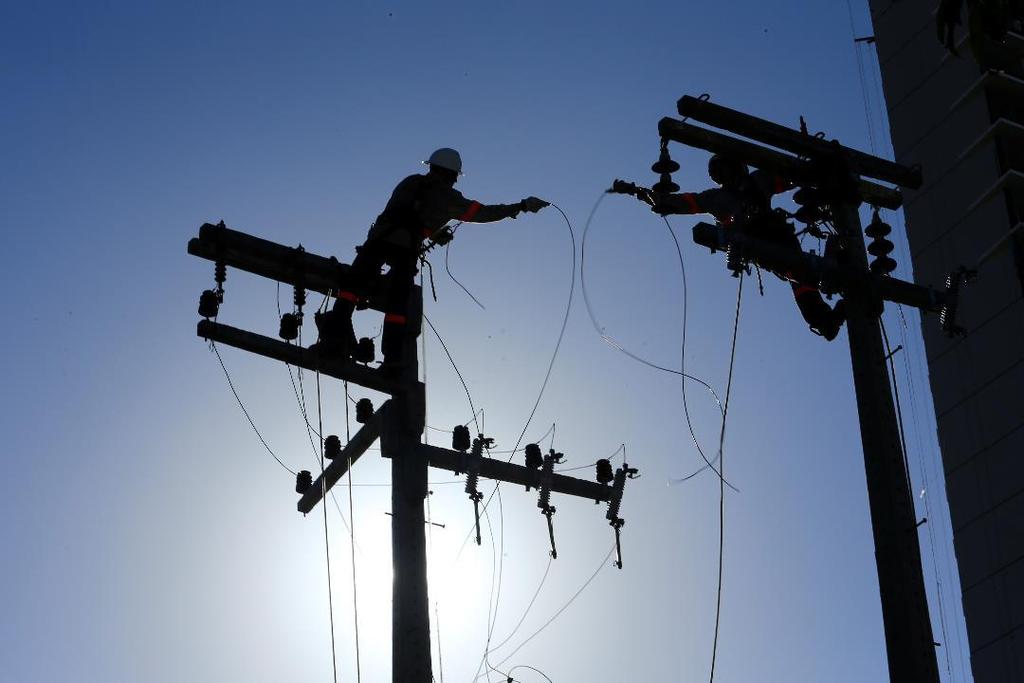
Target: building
965,126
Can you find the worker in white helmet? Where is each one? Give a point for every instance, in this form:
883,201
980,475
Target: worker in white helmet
419,209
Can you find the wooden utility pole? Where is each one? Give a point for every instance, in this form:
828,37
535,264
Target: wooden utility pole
399,424
837,173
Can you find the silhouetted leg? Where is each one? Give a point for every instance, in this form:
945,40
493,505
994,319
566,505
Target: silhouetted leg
400,280
336,333
819,315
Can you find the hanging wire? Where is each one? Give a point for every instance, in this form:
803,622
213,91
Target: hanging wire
682,366
558,613
721,480
527,666
213,347
448,353
600,329
352,540
327,544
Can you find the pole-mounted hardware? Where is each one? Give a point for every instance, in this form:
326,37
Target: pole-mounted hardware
364,410
665,166
837,177
544,498
398,422
615,502
473,459
534,459
947,315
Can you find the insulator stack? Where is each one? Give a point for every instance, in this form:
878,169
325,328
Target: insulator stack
332,447
289,330
880,247
364,410
365,351
220,274
303,482
615,502
665,166
534,459
460,438
812,206
546,472
209,303
604,471
299,297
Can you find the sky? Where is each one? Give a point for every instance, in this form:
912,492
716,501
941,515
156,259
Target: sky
147,534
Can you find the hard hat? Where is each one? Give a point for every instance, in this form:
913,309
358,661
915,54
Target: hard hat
721,168
446,157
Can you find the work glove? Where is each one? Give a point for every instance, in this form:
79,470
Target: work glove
442,236
641,193
532,204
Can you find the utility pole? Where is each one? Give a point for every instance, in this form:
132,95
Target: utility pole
399,424
837,174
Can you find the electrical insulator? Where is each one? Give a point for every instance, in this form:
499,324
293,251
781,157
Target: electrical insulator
364,410
332,447
811,203
209,303
299,297
220,274
364,351
303,482
879,247
604,471
665,166
534,459
460,438
289,327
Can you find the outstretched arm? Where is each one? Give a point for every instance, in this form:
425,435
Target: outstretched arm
470,211
664,204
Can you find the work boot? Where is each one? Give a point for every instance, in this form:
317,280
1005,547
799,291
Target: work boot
830,329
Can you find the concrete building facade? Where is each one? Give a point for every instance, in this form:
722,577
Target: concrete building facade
965,126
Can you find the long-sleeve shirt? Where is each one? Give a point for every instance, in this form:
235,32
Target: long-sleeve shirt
422,205
727,205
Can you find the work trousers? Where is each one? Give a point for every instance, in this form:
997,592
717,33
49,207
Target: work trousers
366,268
813,307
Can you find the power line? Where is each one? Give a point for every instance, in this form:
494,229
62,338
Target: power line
327,544
213,347
721,480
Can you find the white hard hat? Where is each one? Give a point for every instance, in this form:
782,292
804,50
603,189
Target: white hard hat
446,157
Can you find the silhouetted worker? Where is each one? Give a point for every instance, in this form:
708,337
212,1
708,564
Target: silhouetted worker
744,201
419,209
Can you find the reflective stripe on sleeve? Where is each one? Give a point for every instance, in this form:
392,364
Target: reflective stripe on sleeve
347,296
394,318
691,201
474,207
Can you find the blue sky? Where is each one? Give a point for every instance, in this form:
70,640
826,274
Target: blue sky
147,535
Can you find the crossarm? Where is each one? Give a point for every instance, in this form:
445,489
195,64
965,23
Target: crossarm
491,468
360,441
297,356
810,268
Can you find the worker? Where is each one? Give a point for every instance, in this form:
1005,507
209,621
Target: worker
419,209
744,200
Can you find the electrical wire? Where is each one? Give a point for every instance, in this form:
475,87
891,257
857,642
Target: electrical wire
213,347
600,329
526,666
558,613
721,480
327,544
682,368
448,353
352,540
448,269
